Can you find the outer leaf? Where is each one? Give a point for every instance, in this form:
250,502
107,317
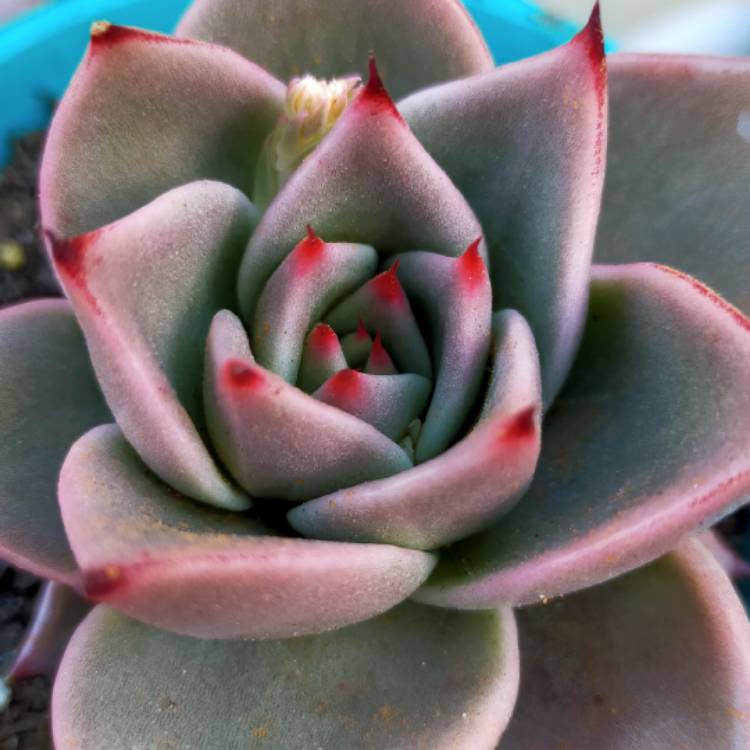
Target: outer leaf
679,156
466,487
48,397
184,567
659,658
649,441
369,181
349,689
146,113
278,442
417,44
145,289
57,613
534,179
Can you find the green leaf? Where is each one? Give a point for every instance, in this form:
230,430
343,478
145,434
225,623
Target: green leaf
48,398
659,658
415,677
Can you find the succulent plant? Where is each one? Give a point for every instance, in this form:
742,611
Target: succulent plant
337,395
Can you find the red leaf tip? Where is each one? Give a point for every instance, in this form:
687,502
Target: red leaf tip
592,36
362,330
99,583
323,340
378,355
308,252
375,95
68,255
345,386
239,374
520,427
470,266
387,286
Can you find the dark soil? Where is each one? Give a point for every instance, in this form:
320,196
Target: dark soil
24,725
19,228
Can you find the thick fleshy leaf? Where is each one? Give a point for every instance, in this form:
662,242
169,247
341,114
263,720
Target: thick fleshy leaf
48,398
382,305
322,357
311,278
387,402
354,688
417,44
279,442
146,113
679,155
357,345
659,658
204,572
456,298
58,611
465,488
648,441
534,179
145,289
379,362
369,181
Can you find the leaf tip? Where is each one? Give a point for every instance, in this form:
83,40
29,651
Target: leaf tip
375,95
242,375
99,583
470,266
521,427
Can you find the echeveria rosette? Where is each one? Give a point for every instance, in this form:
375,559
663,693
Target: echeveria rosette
353,351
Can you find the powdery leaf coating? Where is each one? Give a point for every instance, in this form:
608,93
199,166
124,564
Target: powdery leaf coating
279,442
417,43
678,165
466,487
351,689
534,179
648,441
203,572
369,181
144,290
659,658
146,113
49,397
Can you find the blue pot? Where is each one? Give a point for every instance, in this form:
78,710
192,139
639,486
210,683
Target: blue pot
40,50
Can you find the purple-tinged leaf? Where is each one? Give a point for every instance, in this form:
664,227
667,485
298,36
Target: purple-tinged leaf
279,442
462,490
146,113
648,442
417,43
456,296
57,612
144,290
526,145
677,188
311,278
659,658
382,305
369,181
48,398
387,402
322,357
205,572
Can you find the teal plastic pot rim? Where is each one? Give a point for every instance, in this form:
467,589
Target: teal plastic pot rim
40,49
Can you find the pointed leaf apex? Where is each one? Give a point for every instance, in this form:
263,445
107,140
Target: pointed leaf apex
345,385
99,28
311,233
375,95
387,286
471,268
239,374
362,330
309,251
592,37
323,339
520,427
